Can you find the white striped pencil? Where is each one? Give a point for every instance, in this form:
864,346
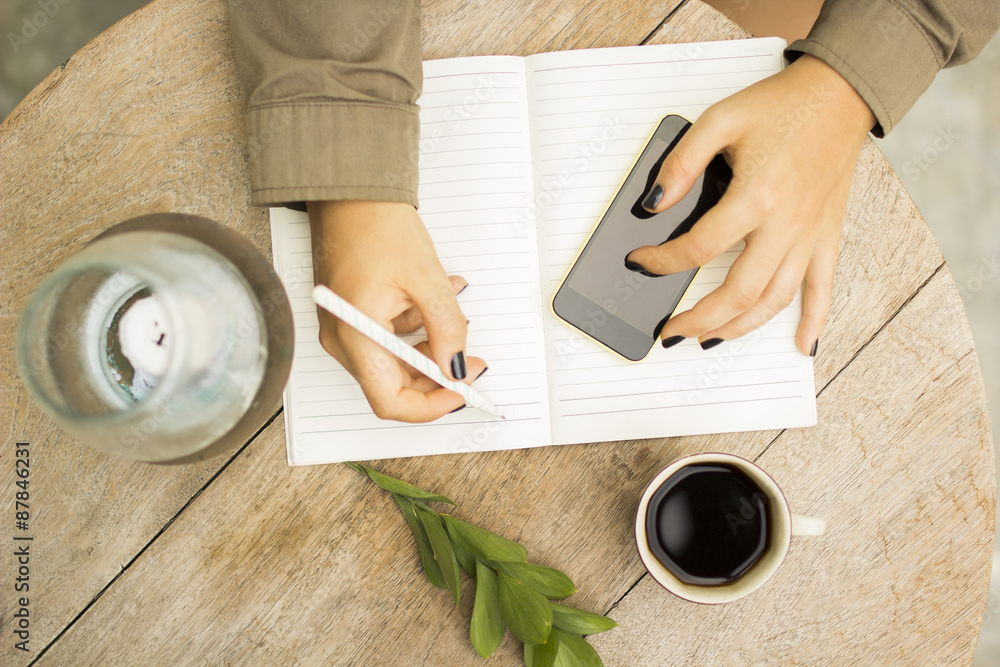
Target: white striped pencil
331,301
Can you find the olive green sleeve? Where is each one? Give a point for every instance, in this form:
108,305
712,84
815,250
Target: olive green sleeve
890,50
332,90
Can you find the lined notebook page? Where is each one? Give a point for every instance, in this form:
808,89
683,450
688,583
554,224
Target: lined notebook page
592,111
475,194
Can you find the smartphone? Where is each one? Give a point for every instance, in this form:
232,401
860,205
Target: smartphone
619,308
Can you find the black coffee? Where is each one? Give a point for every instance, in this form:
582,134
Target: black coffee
708,524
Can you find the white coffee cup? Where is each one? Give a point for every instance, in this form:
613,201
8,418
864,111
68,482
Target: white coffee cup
782,525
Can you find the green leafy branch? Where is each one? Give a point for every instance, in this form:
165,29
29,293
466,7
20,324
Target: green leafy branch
510,591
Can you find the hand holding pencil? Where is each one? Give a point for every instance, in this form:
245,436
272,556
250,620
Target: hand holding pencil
379,257
327,299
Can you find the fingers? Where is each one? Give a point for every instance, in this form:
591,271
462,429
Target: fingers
379,373
410,320
686,162
476,367
393,388
778,295
719,229
745,284
724,313
445,324
403,394
396,391
716,232
413,405
424,400
818,291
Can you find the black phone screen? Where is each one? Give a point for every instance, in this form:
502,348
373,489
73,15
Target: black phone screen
602,297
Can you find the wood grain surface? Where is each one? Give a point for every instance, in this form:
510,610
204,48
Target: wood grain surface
452,28
243,560
146,118
891,581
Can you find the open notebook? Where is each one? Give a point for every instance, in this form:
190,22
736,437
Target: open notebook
519,157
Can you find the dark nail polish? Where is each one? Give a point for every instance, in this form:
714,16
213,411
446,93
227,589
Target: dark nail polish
673,340
481,373
653,198
458,366
710,343
815,347
462,290
461,407
639,268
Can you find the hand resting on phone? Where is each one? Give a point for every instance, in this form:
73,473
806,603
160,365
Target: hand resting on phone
792,141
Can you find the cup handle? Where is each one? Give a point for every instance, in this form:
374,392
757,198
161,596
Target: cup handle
807,526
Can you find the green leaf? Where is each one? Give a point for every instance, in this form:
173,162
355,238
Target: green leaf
431,568
466,558
542,655
486,630
355,467
443,553
579,621
548,581
394,485
525,611
483,543
574,651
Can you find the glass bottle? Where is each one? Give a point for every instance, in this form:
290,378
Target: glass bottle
166,339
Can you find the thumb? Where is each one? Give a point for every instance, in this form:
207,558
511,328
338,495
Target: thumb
445,324
686,162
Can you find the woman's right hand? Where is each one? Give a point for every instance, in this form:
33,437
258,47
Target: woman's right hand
792,141
379,257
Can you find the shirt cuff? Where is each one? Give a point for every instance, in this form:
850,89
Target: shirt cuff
315,150
880,49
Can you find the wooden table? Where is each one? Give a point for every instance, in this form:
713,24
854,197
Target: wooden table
242,560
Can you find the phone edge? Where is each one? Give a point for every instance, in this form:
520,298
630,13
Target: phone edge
593,229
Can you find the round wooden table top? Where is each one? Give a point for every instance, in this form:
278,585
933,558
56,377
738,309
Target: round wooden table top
243,560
